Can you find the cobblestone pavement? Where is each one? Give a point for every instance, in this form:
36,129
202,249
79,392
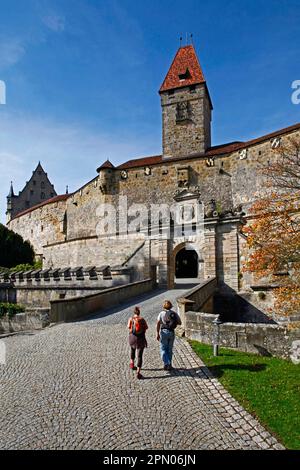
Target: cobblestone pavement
70,387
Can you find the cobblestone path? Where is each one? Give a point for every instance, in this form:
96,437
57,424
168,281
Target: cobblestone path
70,387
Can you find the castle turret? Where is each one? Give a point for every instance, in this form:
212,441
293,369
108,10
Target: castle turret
10,197
186,106
106,177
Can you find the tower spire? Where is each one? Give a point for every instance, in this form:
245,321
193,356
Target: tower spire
11,191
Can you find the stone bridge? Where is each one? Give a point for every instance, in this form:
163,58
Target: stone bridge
70,387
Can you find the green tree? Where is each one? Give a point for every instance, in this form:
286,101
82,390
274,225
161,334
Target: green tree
13,249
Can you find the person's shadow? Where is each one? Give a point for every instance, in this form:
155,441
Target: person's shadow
196,372
201,372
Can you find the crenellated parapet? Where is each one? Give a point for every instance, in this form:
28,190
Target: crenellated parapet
68,277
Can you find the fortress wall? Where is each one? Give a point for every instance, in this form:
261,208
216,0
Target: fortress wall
160,186
81,210
41,226
92,252
247,182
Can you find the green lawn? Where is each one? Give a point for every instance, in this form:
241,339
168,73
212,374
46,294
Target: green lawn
267,387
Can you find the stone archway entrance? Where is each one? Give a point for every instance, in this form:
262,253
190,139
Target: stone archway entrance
186,264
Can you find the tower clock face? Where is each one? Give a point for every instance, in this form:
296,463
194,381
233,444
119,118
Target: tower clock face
124,174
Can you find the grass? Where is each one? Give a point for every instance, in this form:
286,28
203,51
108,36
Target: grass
267,387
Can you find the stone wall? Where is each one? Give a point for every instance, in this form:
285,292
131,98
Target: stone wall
71,309
200,297
42,226
264,339
31,319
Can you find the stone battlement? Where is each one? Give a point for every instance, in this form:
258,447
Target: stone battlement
91,276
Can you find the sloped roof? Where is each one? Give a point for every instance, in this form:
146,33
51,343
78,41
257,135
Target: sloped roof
106,164
185,64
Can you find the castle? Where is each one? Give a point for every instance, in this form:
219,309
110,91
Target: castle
223,181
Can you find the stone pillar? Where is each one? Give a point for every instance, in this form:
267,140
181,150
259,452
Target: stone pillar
147,259
210,252
228,254
183,306
164,264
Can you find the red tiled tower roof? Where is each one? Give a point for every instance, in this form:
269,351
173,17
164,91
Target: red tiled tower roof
184,71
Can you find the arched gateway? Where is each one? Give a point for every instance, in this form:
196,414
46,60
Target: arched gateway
186,264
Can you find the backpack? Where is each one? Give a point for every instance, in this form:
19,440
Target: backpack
171,320
138,326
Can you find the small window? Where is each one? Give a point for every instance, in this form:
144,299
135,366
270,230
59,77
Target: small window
34,182
31,192
51,194
185,75
192,88
43,196
42,228
42,184
170,92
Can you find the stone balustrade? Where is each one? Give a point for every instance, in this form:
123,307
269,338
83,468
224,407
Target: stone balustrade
78,276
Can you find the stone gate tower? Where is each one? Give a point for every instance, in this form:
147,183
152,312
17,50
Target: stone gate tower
186,106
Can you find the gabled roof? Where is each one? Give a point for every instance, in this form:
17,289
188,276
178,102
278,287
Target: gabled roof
184,71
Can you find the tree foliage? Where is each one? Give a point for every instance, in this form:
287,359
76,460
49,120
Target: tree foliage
13,249
273,231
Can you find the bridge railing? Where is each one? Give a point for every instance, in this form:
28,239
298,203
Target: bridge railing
200,298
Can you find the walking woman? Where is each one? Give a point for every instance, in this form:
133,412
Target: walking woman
166,323
137,326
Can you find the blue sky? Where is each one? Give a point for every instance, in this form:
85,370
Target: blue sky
82,78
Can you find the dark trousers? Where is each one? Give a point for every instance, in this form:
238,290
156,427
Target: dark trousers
139,356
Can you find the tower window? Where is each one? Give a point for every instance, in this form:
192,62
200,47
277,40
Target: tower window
42,184
185,75
34,182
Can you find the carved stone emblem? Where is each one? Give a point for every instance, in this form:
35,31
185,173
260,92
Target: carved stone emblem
183,111
183,194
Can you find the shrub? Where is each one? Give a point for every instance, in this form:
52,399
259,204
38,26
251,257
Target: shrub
10,309
13,249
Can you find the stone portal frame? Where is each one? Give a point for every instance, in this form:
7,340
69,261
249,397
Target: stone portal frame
178,246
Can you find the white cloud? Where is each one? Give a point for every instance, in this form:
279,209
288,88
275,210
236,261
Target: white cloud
54,22
69,153
11,52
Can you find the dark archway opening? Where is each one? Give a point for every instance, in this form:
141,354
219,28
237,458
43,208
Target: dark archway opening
186,264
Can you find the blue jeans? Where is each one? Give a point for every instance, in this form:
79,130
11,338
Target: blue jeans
166,346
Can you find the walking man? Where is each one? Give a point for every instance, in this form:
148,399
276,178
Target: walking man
166,323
